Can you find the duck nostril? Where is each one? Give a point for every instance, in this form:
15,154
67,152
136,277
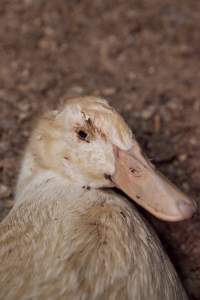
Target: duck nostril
135,172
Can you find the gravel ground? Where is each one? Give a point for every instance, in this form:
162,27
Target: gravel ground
143,56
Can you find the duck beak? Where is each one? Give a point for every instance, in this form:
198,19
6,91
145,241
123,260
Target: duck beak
138,178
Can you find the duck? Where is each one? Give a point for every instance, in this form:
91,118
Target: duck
74,232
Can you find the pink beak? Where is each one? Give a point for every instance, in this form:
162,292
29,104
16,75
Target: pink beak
138,178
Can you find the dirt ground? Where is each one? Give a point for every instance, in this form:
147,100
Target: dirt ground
143,56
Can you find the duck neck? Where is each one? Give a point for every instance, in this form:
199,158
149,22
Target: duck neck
41,183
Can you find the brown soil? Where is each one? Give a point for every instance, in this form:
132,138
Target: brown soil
141,55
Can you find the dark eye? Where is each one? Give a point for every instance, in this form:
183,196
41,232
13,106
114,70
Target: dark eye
82,135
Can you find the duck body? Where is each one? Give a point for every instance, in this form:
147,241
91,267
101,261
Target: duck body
85,245
69,234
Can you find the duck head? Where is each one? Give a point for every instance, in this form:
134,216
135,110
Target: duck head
89,143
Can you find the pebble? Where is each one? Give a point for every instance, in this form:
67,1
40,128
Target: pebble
193,141
182,157
148,113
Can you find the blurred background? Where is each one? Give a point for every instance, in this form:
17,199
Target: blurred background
143,56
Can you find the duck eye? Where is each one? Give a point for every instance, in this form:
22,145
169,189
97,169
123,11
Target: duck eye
82,135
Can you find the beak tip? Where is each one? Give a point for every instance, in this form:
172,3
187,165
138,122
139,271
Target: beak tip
187,209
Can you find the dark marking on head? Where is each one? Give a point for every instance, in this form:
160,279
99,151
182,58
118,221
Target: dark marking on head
49,179
123,214
86,187
89,122
102,134
107,177
138,197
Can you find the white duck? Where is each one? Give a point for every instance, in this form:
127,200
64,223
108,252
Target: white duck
68,237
